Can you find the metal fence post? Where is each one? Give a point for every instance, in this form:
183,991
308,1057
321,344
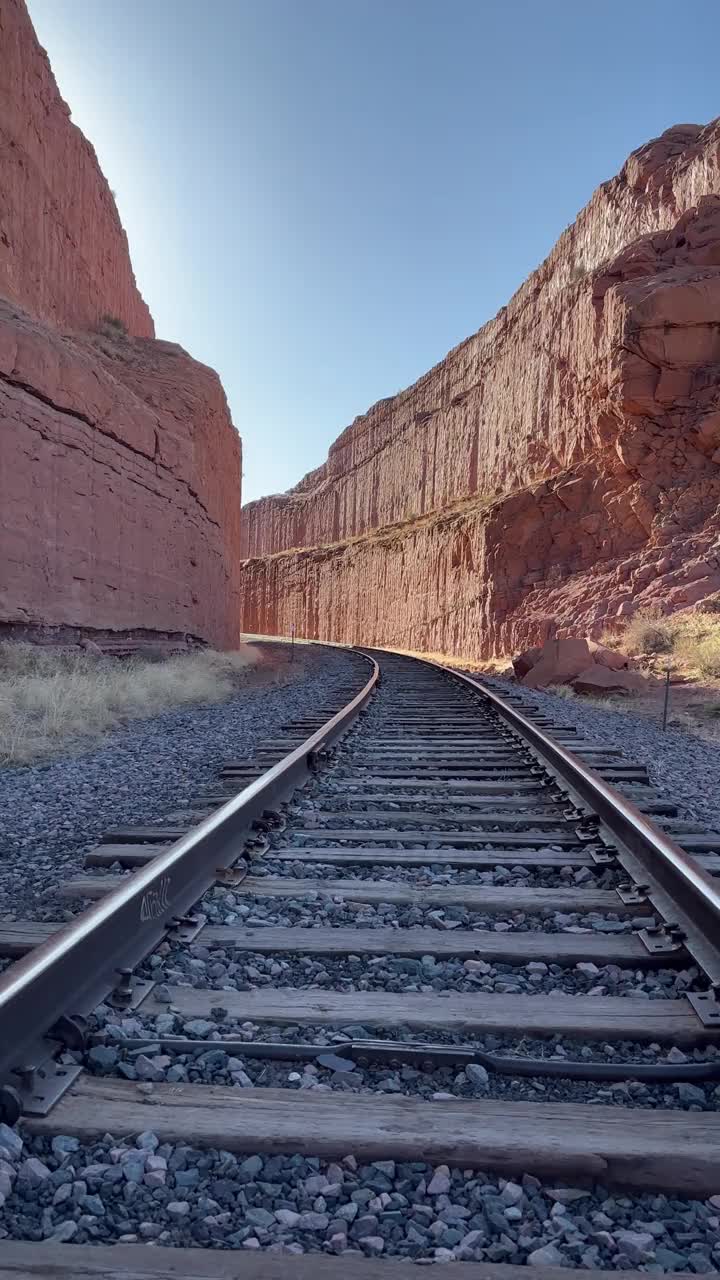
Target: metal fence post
667,699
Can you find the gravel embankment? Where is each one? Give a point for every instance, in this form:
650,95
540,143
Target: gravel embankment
172,1194
51,813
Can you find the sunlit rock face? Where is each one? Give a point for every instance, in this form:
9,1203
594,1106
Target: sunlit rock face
556,471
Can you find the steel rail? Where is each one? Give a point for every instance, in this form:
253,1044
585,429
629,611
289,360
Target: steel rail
82,963
681,891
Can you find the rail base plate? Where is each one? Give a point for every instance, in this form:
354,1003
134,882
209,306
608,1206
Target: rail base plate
187,929
141,988
602,857
658,942
706,1006
632,896
51,1081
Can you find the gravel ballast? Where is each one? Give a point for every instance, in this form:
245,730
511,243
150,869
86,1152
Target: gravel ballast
131,1189
51,813
312,909
241,970
172,1194
437,874
213,1064
683,765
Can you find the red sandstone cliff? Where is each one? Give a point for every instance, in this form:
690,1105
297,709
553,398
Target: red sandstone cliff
120,466
564,460
63,252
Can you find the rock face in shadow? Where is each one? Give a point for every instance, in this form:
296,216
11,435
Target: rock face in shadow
555,471
120,476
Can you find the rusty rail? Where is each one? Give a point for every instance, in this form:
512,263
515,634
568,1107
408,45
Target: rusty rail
83,962
681,891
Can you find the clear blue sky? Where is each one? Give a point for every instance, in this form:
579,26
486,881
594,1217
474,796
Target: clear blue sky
323,197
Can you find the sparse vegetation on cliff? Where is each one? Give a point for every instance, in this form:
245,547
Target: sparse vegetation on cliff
112,327
50,700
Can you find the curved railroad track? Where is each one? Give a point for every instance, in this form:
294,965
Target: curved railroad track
432,929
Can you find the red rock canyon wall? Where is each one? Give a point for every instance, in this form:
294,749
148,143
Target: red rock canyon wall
120,466
564,462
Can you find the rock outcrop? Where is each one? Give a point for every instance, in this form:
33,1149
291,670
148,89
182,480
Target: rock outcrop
555,471
63,253
120,475
581,663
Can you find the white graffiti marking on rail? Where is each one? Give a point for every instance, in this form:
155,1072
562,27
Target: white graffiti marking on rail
156,902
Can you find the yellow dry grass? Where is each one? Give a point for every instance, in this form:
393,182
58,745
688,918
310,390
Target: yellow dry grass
49,700
489,666
688,641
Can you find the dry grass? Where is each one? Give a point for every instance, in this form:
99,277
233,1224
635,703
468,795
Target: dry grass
49,700
648,632
561,691
697,644
486,666
688,641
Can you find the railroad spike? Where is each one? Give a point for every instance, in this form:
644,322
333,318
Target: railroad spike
122,992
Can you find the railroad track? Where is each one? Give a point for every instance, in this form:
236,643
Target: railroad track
450,958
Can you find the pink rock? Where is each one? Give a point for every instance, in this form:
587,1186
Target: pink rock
605,657
559,662
526,661
599,679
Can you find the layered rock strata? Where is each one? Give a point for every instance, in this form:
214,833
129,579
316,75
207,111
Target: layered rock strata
120,466
556,471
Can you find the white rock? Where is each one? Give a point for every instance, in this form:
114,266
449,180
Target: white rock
566,1195
178,1208
477,1075
11,1142
548,1256
33,1171
439,1184
375,1244
287,1217
635,1244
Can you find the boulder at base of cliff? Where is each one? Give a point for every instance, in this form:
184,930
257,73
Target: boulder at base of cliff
525,661
560,661
600,679
605,657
